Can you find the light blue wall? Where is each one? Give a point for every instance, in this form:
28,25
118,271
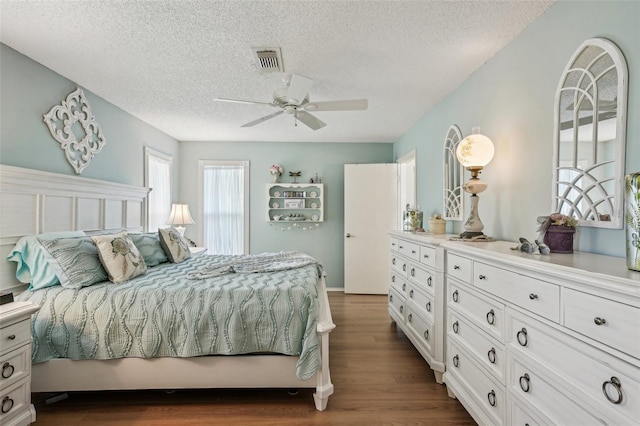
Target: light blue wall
325,243
511,99
29,90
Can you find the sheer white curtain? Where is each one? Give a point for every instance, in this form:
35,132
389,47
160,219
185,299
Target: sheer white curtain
224,207
158,178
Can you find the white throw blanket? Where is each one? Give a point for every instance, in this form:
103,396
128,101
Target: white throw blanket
265,262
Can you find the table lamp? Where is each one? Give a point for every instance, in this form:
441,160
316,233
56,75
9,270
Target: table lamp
179,216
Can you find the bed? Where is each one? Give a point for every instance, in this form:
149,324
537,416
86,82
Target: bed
212,345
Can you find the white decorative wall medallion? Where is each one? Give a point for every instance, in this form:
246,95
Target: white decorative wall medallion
73,125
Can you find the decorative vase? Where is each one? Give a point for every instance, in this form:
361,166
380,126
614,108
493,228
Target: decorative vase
632,220
559,238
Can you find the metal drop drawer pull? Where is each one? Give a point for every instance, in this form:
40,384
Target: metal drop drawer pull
7,370
525,382
413,272
456,361
599,321
410,317
428,306
426,335
491,317
7,405
455,327
523,340
411,294
12,337
492,355
615,382
429,281
491,396
455,296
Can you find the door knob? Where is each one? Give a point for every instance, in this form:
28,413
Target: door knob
349,235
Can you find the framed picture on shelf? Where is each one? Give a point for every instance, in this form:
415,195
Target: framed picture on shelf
293,204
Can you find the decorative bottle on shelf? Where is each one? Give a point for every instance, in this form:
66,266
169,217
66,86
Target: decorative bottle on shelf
632,220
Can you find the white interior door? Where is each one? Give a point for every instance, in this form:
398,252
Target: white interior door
370,211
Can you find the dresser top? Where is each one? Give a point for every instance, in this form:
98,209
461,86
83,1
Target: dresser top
586,265
422,237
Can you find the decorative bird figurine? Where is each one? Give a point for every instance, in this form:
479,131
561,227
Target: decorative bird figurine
544,249
526,246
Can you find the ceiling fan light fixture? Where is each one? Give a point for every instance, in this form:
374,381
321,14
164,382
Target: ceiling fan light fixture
311,107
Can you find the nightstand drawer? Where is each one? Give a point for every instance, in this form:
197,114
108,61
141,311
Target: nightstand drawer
15,335
14,366
459,267
606,321
15,400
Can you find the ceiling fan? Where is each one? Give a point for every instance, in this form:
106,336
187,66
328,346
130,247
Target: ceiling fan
294,100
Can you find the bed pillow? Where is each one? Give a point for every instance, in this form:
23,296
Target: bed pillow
75,260
33,266
119,256
175,245
148,244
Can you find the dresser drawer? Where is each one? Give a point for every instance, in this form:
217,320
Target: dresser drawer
518,415
459,267
428,256
393,244
488,394
484,312
540,297
15,400
422,302
399,264
487,352
408,249
396,305
15,335
422,328
422,276
577,364
398,283
612,323
15,366
538,391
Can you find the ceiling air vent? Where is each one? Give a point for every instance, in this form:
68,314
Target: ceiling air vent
268,59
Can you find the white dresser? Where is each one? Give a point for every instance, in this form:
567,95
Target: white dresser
416,292
15,361
539,340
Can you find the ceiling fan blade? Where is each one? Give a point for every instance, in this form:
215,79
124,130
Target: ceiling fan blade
346,105
298,89
262,119
308,119
240,101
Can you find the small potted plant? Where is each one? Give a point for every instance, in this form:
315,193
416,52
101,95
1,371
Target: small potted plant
276,170
558,230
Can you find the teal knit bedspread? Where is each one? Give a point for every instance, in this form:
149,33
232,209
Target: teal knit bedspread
165,314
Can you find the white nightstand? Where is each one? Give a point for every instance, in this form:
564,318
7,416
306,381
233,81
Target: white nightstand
15,364
197,251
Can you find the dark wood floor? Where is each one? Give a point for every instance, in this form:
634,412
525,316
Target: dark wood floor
379,379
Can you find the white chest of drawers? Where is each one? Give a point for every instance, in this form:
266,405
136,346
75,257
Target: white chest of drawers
416,293
15,364
537,339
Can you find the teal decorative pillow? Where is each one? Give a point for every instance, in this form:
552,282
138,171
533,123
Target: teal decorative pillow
175,245
75,261
33,266
119,256
148,244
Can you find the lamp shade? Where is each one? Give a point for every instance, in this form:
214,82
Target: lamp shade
475,151
180,215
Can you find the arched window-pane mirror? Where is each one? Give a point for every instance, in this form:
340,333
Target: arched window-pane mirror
452,176
590,136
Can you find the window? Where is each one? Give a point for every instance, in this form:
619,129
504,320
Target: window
157,177
225,201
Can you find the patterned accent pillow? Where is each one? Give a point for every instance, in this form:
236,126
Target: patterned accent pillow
175,245
75,261
119,256
148,244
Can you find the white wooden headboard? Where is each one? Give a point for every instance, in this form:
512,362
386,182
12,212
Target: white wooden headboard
33,202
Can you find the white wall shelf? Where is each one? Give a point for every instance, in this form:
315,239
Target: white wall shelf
295,202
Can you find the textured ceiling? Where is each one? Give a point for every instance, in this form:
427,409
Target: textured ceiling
165,61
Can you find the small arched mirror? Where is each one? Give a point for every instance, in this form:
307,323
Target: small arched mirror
452,176
590,136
